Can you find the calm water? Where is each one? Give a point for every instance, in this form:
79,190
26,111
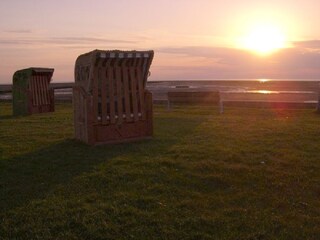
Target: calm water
266,90
263,89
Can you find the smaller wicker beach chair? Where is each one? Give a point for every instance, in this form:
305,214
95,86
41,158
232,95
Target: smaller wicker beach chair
31,92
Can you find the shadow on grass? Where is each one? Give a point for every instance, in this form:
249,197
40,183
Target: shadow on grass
33,175
4,117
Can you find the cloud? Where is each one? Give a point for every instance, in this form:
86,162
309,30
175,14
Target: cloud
77,40
311,44
296,62
302,61
63,41
18,31
199,51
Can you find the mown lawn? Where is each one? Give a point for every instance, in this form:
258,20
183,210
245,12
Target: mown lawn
244,174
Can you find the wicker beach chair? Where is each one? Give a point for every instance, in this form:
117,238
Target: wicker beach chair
31,92
111,103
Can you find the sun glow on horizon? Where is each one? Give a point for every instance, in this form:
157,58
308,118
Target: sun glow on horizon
264,39
263,80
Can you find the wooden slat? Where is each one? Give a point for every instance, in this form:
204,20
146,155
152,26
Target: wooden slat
31,90
99,92
48,89
36,89
104,106
141,89
126,90
106,65
119,94
145,70
134,92
145,67
104,93
111,94
47,82
95,94
39,91
39,87
43,90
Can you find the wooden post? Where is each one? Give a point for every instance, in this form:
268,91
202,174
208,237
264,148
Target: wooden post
168,104
221,106
318,105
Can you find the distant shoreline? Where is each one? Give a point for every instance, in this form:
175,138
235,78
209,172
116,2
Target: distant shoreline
5,88
231,90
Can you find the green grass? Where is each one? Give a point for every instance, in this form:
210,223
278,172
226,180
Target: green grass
245,174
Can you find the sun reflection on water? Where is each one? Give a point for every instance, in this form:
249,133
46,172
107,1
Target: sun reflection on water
263,92
263,80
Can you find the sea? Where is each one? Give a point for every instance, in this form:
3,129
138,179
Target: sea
295,90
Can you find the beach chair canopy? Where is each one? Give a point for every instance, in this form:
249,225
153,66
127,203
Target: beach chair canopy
93,62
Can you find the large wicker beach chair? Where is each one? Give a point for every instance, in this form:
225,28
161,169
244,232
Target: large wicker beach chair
31,92
111,103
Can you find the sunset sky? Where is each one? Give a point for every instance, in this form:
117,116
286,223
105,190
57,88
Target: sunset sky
203,39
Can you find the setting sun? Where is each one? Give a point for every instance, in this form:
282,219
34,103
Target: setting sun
264,39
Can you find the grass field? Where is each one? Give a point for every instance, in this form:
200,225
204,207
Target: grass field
245,174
